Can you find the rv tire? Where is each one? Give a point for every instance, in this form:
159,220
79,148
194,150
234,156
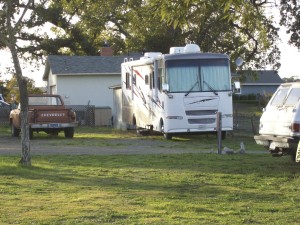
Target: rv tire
167,136
142,132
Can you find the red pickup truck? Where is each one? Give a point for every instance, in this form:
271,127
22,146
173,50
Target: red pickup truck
45,113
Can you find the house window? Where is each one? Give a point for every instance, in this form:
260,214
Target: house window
128,81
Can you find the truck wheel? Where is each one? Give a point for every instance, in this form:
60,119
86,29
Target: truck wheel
30,133
15,132
69,132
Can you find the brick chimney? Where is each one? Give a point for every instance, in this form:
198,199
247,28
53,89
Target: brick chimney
106,51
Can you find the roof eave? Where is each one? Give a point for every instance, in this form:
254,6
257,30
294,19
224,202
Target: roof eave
265,84
84,74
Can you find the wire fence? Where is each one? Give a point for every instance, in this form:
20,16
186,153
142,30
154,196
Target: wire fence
86,117
247,124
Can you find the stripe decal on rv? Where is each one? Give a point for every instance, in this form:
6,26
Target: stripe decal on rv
138,73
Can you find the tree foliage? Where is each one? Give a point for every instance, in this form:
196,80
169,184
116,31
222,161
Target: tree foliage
290,18
11,89
238,28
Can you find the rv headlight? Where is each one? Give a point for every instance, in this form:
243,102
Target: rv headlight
174,117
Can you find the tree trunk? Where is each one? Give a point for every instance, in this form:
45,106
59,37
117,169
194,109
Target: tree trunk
22,82
25,140
11,41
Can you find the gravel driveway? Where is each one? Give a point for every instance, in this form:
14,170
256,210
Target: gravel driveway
12,146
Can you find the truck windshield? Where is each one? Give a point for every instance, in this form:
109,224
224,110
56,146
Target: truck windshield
44,100
198,75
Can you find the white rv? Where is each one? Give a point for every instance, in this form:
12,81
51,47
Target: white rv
279,129
180,92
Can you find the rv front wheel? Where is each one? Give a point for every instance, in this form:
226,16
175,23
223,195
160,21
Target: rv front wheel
167,136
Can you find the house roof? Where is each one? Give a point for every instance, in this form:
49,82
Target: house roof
82,65
262,77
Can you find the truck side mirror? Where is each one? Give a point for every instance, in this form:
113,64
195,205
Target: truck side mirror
237,87
165,87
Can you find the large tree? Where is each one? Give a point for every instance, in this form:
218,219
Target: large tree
12,23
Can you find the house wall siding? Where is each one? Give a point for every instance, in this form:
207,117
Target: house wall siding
87,89
262,89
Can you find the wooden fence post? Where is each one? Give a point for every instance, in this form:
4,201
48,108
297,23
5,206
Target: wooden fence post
219,132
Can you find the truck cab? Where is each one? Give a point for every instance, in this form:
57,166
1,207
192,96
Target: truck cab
46,113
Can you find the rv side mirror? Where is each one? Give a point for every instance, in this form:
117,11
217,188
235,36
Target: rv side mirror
165,87
237,87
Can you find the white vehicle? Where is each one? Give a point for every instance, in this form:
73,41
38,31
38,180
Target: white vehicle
180,92
279,127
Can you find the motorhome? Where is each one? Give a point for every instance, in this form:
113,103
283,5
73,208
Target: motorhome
179,92
279,128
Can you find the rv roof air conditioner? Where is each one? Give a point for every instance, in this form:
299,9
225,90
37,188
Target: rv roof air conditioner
153,55
189,48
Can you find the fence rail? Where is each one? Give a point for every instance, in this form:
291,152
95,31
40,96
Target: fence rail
245,123
86,117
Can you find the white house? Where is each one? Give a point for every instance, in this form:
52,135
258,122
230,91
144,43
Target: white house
83,80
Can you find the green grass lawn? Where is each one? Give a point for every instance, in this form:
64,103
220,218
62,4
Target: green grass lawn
150,189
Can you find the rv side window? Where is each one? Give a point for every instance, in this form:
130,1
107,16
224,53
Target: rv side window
127,81
159,79
293,97
146,79
280,97
159,83
152,83
134,79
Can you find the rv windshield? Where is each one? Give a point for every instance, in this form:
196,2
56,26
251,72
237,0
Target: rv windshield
198,75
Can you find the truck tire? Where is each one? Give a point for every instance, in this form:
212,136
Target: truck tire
15,132
69,132
30,133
